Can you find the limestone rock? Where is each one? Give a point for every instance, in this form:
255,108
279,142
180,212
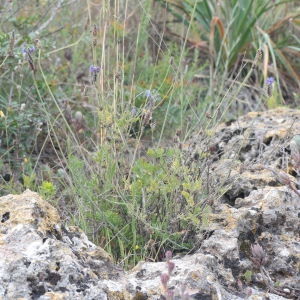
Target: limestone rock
40,259
237,152
250,159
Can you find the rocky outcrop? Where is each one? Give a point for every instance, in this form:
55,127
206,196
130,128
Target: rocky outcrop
249,249
41,259
252,161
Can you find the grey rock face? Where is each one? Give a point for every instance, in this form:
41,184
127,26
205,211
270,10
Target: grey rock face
254,159
42,260
250,248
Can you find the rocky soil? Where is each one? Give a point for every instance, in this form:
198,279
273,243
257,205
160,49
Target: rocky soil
250,248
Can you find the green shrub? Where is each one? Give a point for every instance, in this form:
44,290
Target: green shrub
158,205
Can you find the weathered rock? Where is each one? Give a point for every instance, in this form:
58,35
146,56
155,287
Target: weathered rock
238,152
42,259
251,160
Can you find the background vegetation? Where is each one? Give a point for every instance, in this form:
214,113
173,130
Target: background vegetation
98,100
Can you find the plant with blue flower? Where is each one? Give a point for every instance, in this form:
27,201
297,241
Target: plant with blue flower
94,71
27,51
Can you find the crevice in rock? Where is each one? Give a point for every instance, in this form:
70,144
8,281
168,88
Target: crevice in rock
37,289
267,141
57,266
27,263
233,265
200,296
5,217
52,277
230,197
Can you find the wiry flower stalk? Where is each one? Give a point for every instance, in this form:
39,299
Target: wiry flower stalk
295,152
284,179
27,51
269,86
94,70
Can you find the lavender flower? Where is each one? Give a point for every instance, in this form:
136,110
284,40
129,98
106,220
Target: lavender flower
152,97
269,81
28,50
148,94
269,86
27,53
134,111
94,70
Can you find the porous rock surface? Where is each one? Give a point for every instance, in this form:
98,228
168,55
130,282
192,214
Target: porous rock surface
250,159
40,258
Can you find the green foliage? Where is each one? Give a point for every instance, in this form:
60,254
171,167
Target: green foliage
143,214
226,26
29,181
247,276
232,28
17,122
273,100
21,121
47,189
